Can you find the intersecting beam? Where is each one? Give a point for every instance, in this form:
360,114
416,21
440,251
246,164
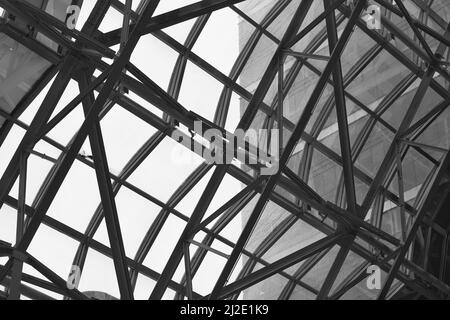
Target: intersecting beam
50,101
49,25
128,170
43,114
304,268
266,109
423,5
140,156
28,291
70,232
341,112
425,207
438,175
188,272
346,151
391,49
220,171
272,195
95,245
432,33
16,278
414,28
153,232
405,124
355,277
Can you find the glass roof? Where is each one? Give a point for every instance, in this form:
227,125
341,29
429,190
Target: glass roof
100,198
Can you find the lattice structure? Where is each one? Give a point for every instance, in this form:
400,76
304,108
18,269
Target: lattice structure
363,165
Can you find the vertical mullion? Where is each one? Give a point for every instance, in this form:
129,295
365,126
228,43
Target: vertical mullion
188,271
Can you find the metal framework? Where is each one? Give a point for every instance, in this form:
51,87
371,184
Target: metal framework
412,265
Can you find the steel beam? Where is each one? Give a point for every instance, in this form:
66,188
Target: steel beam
170,18
290,145
107,196
281,264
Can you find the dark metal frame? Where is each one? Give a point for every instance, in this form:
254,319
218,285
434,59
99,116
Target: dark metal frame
343,223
